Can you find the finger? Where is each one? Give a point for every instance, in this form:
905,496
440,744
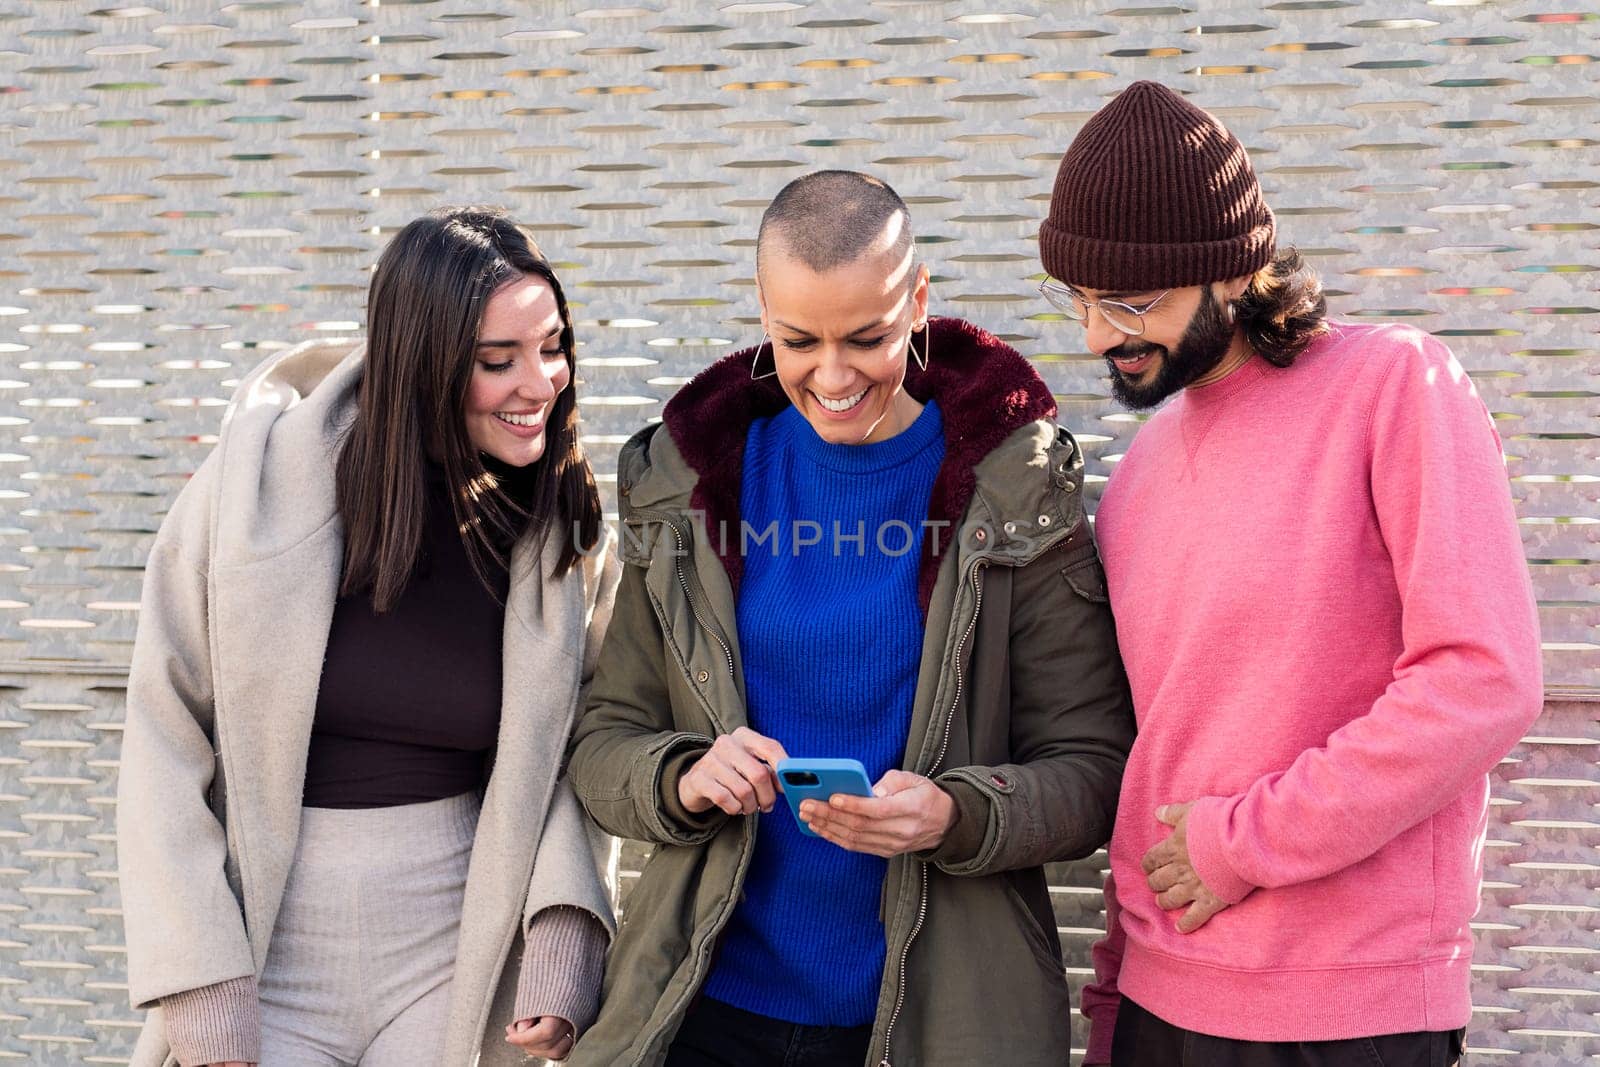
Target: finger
830,814
855,841
880,836
732,779
763,747
883,837
1197,916
551,1028
1159,856
721,796
539,1052
542,1036
1172,814
524,1038
1164,878
763,781
699,782
843,804
843,832
817,817
1176,897
876,807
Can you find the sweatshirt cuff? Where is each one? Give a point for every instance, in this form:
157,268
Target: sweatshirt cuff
1206,855
563,961
214,1024
965,839
1102,1027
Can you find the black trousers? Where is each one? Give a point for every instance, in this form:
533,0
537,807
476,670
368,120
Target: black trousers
1143,1040
715,1034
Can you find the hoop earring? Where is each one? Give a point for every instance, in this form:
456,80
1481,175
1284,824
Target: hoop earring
755,359
921,358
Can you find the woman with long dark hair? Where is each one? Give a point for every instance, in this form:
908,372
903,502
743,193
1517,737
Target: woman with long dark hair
344,836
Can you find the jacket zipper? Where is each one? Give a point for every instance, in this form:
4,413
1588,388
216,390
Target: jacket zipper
944,745
694,607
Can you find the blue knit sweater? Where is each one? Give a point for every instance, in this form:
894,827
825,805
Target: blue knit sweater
831,638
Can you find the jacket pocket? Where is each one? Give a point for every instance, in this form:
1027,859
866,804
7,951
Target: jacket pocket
1088,578
1037,937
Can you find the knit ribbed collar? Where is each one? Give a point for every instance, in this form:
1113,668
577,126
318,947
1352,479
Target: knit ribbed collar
1208,396
1203,405
870,458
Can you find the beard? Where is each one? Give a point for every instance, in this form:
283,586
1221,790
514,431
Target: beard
1204,342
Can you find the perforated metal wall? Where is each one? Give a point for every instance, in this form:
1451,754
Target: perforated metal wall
186,187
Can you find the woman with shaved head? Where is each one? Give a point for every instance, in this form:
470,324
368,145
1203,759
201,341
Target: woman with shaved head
863,538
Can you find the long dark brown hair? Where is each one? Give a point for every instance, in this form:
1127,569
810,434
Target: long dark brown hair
1283,310
427,297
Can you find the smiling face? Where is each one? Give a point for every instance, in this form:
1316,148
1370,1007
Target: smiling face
1188,339
840,340
518,371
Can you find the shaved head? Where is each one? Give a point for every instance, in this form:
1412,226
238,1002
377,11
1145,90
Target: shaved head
829,218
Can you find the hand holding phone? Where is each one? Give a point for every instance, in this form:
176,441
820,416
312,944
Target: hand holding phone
735,775
905,813
819,779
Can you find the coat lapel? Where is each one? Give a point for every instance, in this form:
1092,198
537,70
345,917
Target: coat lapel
276,532
273,646
539,693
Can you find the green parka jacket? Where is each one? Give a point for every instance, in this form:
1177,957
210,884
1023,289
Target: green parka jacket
1021,712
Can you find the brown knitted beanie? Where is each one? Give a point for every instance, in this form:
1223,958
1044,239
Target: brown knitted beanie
1154,193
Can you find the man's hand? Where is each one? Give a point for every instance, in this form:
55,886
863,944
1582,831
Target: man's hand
1172,877
906,813
736,775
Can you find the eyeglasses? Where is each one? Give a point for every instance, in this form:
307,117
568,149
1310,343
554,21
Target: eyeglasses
1120,316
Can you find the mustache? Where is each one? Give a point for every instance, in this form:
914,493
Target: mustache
1133,350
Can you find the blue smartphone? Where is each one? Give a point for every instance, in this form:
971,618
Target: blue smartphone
819,779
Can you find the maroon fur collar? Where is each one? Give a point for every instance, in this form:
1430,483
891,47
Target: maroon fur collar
985,390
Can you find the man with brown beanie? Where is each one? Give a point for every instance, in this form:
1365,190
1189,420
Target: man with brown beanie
1322,602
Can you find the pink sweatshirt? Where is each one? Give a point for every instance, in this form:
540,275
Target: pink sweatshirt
1326,617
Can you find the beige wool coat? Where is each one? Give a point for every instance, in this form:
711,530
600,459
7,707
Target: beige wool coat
239,593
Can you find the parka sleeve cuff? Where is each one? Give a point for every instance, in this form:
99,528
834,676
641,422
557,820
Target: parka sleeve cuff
1204,833
563,961
695,826
217,1023
965,839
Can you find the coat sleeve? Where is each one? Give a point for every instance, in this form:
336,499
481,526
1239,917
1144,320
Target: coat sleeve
626,754
1467,682
183,924
572,865
566,870
1071,728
